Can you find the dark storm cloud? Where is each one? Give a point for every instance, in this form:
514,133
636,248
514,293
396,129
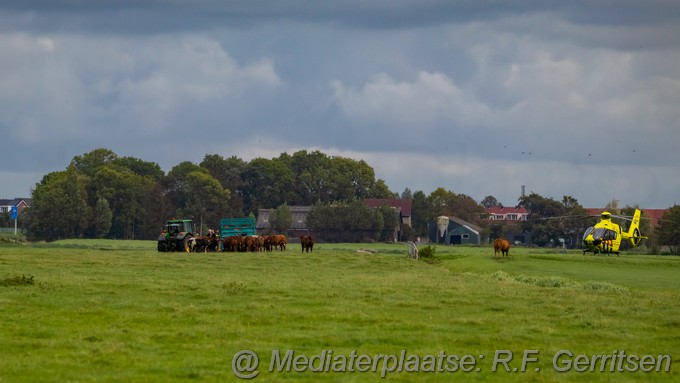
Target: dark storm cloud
556,95
172,16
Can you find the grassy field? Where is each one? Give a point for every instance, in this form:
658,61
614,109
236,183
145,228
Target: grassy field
118,311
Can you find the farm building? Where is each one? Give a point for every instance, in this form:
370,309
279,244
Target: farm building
401,206
299,217
299,221
455,232
502,213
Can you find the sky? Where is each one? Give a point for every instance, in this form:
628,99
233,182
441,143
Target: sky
478,97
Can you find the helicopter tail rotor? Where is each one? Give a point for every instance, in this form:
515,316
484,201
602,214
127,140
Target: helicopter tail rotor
636,238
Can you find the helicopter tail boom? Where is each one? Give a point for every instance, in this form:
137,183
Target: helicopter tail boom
633,234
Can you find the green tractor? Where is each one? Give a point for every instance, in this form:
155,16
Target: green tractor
176,235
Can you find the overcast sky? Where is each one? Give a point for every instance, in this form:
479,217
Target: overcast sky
479,97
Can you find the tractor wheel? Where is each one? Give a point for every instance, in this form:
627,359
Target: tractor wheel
162,247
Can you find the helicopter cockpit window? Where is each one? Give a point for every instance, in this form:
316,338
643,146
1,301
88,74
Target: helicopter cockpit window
606,234
587,233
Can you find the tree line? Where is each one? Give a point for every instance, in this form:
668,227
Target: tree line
103,195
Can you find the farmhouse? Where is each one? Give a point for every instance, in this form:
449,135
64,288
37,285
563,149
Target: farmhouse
504,222
21,204
456,232
502,213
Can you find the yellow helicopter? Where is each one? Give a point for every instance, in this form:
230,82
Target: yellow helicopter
605,237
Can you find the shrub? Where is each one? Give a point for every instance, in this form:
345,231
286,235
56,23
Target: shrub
427,252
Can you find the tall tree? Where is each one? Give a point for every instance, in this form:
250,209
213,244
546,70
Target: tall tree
440,201
101,218
142,168
406,194
465,207
175,182
281,219
668,231
59,209
421,213
88,163
312,177
229,172
268,183
490,201
551,221
125,193
390,223
205,199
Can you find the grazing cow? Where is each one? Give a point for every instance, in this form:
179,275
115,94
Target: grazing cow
278,242
502,246
307,243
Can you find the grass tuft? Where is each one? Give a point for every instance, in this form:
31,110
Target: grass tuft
557,282
17,280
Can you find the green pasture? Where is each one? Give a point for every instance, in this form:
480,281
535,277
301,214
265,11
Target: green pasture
118,311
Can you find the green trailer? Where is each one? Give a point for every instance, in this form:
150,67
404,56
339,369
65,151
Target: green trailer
237,226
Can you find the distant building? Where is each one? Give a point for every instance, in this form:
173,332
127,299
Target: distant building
21,204
401,206
299,217
298,223
458,232
502,213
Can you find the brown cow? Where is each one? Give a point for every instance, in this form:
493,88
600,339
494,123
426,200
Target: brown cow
502,246
231,243
249,243
259,243
278,242
307,243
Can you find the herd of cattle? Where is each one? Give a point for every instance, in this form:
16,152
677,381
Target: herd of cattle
260,243
246,243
